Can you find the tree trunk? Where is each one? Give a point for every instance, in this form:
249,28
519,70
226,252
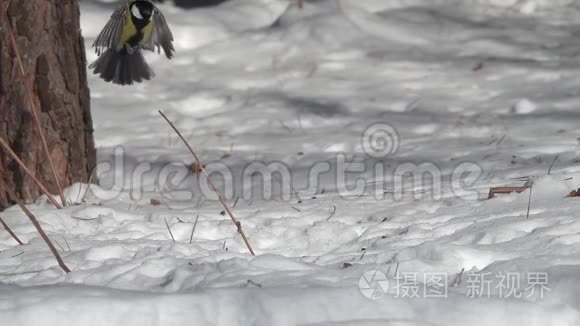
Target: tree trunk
49,41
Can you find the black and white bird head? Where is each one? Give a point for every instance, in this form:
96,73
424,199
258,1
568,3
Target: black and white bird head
142,10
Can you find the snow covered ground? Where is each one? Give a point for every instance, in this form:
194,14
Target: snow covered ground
462,95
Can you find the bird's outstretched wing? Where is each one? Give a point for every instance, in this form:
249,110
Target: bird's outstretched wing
162,37
110,36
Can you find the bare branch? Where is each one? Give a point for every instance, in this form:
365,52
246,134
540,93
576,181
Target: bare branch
44,237
193,229
169,229
333,212
552,165
529,202
12,234
28,172
213,187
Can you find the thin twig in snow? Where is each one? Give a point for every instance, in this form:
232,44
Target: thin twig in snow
362,256
12,234
552,165
67,245
210,182
250,282
296,193
500,140
78,194
88,187
529,202
15,157
457,280
19,254
332,214
169,229
44,236
58,244
193,229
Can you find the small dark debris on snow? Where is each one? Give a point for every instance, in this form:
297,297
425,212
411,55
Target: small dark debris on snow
252,283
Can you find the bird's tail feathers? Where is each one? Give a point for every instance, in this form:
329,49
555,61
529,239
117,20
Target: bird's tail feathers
121,67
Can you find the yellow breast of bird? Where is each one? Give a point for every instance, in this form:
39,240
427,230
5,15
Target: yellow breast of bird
130,30
147,31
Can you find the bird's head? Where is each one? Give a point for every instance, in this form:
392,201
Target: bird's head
141,9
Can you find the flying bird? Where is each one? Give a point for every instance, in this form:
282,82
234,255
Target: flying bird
139,25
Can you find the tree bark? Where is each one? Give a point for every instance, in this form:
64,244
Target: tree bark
51,47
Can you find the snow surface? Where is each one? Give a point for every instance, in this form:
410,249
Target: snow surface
492,84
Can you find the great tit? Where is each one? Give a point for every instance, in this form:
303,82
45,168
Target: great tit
133,27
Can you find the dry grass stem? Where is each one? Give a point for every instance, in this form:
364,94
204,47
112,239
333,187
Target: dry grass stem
193,229
44,237
9,230
169,229
211,184
9,150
